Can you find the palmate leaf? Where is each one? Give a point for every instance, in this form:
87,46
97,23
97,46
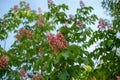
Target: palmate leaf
63,75
65,55
85,60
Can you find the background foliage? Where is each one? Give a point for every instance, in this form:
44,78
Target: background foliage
37,54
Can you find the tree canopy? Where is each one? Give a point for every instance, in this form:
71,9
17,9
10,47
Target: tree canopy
52,45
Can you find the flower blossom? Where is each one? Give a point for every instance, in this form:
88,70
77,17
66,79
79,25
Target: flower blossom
50,2
71,16
3,62
101,24
118,77
62,43
82,4
78,23
104,25
52,41
29,34
40,21
18,36
109,26
16,8
57,42
93,78
23,74
22,30
38,76
28,6
40,10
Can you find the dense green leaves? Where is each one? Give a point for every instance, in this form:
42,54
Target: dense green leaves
33,51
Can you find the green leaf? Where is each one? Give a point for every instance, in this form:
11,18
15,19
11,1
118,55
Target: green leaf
63,75
85,60
65,54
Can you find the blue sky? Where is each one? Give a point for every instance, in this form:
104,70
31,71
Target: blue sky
5,5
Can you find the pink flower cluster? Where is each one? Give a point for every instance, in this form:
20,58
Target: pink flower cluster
79,24
50,2
27,32
82,4
102,25
23,73
57,42
71,16
118,77
40,10
40,21
15,8
21,3
93,78
38,76
18,36
28,6
3,62
24,32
